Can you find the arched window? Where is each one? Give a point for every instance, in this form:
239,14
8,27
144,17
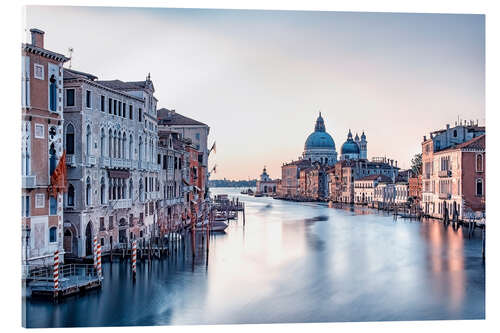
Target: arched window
53,235
119,189
71,195
479,187
114,189
124,189
119,143
52,158
70,139
479,162
124,144
89,141
141,190
110,143
103,142
115,148
88,192
103,191
130,189
130,147
53,94
140,148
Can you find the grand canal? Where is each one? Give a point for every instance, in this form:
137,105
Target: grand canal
291,262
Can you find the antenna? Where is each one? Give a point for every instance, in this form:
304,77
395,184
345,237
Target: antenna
70,51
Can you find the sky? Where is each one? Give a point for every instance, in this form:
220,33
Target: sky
259,78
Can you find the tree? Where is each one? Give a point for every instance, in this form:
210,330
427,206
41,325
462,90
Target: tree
416,164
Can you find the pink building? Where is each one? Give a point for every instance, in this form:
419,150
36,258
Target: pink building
457,180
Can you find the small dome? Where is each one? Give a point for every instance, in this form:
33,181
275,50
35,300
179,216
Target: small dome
363,136
350,147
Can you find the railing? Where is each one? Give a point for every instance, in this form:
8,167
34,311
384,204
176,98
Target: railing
29,181
72,274
444,173
71,160
104,162
91,160
445,196
121,203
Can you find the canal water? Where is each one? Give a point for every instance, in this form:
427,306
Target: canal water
291,262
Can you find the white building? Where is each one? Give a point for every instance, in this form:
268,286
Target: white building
364,188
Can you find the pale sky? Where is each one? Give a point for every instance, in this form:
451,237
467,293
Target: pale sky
259,78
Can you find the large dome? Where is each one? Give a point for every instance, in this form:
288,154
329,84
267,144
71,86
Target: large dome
319,140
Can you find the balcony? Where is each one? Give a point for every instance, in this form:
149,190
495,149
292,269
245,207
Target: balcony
445,196
104,162
91,160
121,203
444,173
29,181
71,160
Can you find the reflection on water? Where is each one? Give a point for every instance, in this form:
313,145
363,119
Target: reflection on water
291,262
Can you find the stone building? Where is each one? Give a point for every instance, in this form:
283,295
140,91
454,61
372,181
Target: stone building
459,179
441,140
313,182
402,192
364,188
265,185
290,176
42,149
415,189
110,137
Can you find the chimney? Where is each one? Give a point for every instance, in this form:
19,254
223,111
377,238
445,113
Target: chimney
447,126
396,163
425,138
37,37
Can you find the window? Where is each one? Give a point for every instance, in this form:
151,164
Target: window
38,72
70,140
103,191
131,112
479,187
103,142
114,107
88,192
88,99
110,105
454,133
70,97
40,200
53,205
53,234
53,93
110,226
130,147
89,141
479,162
39,131
119,108
102,103
140,114
25,206
101,224
71,195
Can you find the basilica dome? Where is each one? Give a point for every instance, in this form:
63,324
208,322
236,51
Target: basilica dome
319,146
319,138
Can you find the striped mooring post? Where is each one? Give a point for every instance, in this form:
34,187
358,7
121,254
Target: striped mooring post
99,268
56,272
95,251
134,259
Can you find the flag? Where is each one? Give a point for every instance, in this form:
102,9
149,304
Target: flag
58,178
213,148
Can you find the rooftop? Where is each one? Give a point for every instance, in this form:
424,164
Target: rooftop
381,178
170,117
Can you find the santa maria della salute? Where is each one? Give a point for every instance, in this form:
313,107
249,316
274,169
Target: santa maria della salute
320,146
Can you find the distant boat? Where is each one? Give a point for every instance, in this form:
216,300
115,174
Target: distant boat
218,226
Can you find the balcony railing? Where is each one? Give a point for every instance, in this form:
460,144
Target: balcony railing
444,173
71,160
104,162
445,196
29,181
91,160
121,203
